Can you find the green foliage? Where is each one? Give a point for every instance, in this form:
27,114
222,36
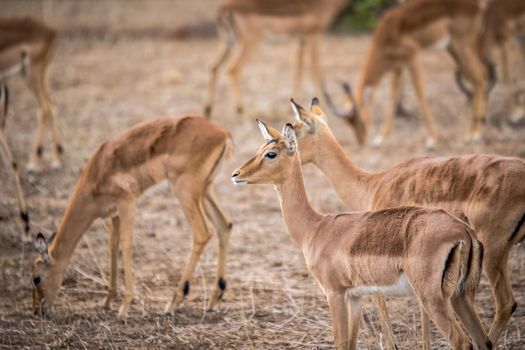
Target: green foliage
363,14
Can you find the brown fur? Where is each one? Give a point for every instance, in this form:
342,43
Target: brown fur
487,190
185,151
27,41
350,253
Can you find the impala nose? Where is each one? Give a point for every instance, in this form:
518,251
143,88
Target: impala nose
235,173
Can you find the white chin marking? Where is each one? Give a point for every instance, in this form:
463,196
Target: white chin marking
239,182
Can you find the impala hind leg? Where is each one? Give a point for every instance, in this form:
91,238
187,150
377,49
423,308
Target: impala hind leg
496,269
425,328
10,163
392,107
247,48
222,56
191,200
38,85
441,314
516,111
113,240
126,213
386,325
315,65
223,226
298,68
470,320
416,74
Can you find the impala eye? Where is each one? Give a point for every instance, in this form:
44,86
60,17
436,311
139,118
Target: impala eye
270,155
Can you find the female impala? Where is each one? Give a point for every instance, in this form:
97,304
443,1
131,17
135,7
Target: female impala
185,151
401,251
488,190
27,46
401,35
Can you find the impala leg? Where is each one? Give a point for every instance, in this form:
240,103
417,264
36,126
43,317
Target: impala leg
247,48
496,270
470,320
192,206
476,73
223,226
113,240
298,68
340,321
425,328
440,313
415,70
38,86
126,212
222,56
10,163
392,107
386,326
355,318
315,66
516,112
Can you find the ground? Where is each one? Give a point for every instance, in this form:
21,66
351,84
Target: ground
102,86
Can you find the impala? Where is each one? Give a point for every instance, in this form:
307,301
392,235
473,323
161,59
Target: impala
488,190
401,35
503,20
9,161
244,23
27,47
185,152
428,253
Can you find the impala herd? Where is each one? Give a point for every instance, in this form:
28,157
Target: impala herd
426,227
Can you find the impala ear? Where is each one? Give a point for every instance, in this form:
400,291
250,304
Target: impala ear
267,131
41,247
290,140
316,109
302,115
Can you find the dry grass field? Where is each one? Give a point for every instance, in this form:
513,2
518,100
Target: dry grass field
104,84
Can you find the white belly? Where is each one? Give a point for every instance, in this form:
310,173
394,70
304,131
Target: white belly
401,288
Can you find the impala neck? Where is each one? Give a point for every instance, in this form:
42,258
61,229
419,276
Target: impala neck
300,218
352,185
77,219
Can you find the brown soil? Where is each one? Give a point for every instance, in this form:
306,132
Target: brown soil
103,86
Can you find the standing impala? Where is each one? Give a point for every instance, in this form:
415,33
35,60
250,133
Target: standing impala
186,152
9,161
27,47
244,23
401,35
428,253
488,190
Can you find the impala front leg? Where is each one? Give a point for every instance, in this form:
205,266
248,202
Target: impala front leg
386,326
298,68
113,240
392,108
340,321
126,212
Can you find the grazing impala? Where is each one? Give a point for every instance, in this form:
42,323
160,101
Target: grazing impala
186,152
428,253
9,161
488,190
401,35
244,23
27,46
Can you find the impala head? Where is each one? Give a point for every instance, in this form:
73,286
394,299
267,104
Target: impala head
46,281
310,127
351,113
273,162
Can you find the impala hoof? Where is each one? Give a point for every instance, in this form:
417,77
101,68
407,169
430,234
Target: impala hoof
56,164
430,143
517,115
378,141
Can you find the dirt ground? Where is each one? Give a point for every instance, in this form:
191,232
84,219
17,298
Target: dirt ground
104,85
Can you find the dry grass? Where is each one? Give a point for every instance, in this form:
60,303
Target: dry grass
101,88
